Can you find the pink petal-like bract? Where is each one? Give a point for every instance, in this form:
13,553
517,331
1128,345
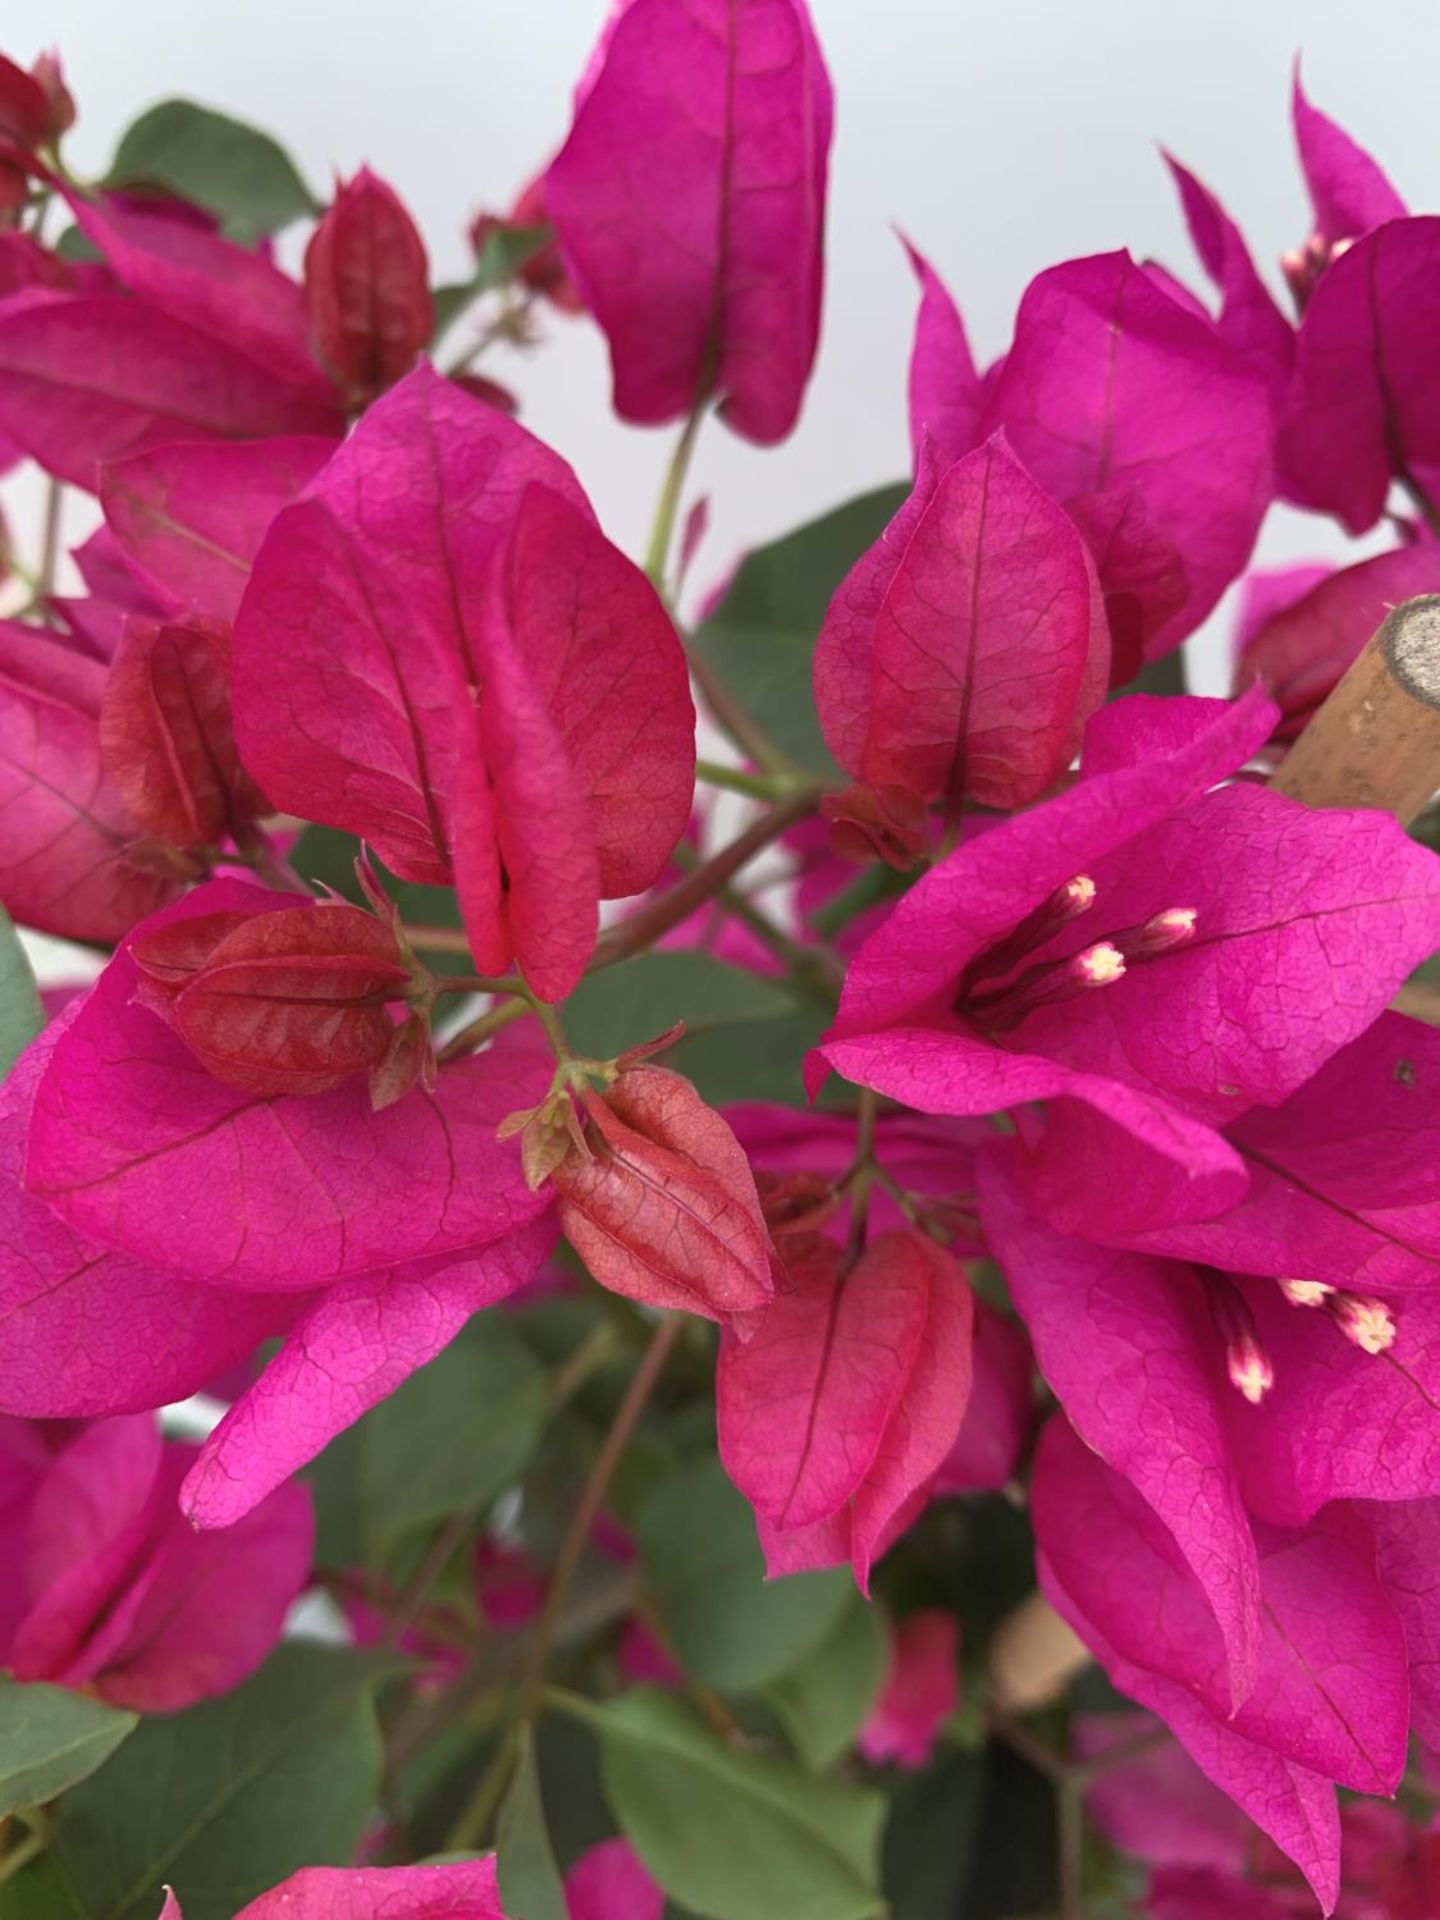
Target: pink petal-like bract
1332,1687
689,203
945,392
989,650
660,1202
1123,1343
921,1691
849,1392
120,1596
466,1890
192,516
1249,319
1112,396
233,293
167,736
367,288
359,1341
89,379
69,862
455,661
1348,190
139,1147
1364,406
610,1882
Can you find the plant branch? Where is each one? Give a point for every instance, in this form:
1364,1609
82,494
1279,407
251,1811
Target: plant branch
417,1589
647,926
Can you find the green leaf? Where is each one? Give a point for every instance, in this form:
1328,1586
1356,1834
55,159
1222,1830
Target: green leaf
931,1835
454,1436
51,1738
335,1482
21,1015
760,1062
730,1626
503,255
1166,675
736,1835
623,1005
241,175
231,1797
760,639
826,1698
529,1879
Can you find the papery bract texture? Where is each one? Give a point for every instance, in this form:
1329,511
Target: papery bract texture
945,390
232,293
367,288
138,1146
70,862
660,1202
1124,1343
1364,406
988,651
1249,319
1348,191
848,1394
921,1690
90,379
441,656
1128,408
689,202
192,516
92,1332
113,1592
355,1345
167,735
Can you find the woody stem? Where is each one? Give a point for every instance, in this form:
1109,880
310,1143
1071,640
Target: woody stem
862,1174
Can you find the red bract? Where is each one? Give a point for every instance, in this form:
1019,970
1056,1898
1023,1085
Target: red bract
190,517
847,1397
167,737
459,667
660,1203
279,1003
1348,190
367,288
86,379
922,1690
689,203
25,112
71,858
963,654
1249,319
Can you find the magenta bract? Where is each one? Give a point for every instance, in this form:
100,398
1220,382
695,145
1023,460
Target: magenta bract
108,1588
921,1690
422,663
689,202
367,288
987,651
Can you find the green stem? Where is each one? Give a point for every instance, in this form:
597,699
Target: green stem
657,554
480,1029
862,1173
417,1589
756,786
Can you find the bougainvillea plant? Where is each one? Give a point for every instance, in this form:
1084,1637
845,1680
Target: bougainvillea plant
848,1327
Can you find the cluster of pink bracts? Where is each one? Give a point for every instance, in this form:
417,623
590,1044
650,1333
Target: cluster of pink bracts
335,586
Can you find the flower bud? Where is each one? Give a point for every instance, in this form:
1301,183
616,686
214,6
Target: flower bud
367,288
287,1002
167,733
659,1200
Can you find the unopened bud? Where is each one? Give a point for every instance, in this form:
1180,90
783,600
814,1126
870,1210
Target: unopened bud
1368,1323
1306,1293
367,288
